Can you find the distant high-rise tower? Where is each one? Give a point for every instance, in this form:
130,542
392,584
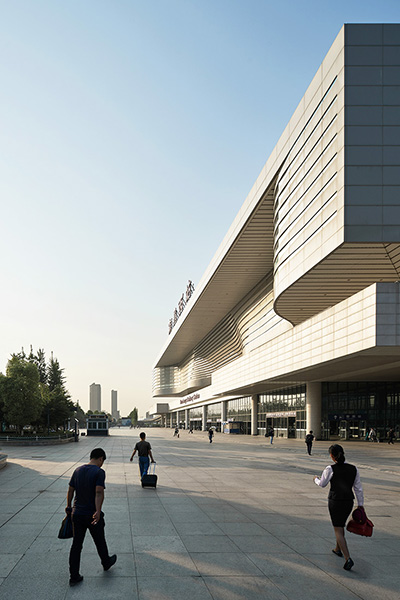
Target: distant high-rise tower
95,397
114,404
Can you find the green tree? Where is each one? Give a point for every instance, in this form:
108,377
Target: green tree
80,415
21,393
40,362
3,384
133,416
55,375
60,407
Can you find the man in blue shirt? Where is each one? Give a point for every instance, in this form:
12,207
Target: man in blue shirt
87,484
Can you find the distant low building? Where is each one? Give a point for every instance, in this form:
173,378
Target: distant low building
97,425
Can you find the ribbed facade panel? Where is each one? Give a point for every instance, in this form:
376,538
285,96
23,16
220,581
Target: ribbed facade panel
291,295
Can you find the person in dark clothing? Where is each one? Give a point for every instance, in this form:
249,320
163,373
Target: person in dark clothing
344,478
391,435
143,448
271,434
87,484
211,434
309,442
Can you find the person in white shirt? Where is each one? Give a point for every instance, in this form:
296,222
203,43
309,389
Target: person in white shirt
344,478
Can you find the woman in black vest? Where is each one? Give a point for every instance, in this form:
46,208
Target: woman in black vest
343,479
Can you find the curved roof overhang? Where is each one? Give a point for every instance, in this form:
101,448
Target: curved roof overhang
243,259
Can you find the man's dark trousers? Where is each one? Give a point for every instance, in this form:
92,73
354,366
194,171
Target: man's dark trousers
81,523
144,463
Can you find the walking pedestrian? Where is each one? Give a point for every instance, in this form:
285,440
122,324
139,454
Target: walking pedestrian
143,449
344,478
271,434
87,485
309,442
211,434
391,436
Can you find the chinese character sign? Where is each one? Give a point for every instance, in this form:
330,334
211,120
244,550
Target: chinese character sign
181,306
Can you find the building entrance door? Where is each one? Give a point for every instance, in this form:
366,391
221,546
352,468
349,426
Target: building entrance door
356,429
291,427
343,430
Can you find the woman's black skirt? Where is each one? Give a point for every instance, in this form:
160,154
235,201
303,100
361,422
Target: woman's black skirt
339,511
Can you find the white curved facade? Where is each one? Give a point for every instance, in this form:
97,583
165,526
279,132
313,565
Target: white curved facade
303,292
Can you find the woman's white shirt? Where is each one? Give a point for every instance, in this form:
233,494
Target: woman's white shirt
327,475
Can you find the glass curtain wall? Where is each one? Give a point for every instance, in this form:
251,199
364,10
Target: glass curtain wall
214,415
350,409
181,419
284,410
195,418
239,411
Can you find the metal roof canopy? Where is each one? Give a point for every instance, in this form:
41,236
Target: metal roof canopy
243,259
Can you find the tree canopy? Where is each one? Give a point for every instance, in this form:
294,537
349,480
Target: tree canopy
34,393
133,416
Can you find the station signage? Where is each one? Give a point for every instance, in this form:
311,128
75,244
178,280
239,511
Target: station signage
191,398
184,299
290,413
358,416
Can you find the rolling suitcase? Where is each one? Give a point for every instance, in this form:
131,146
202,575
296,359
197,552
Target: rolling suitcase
150,480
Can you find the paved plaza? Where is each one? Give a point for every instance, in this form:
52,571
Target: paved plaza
237,518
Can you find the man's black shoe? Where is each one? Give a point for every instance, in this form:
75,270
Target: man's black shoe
75,580
111,562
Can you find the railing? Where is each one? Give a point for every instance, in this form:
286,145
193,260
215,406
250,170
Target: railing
36,438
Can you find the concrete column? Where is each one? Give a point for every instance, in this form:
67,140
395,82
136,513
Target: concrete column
224,406
204,419
186,418
254,415
313,408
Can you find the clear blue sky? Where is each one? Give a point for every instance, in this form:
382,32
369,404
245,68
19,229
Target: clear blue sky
131,134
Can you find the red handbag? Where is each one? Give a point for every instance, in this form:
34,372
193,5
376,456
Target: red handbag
360,524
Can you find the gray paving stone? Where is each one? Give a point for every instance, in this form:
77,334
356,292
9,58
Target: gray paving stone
238,588
7,563
147,527
257,543
224,564
161,543
107,587
242,529
209,543
39,588
170,564
43,545
208,528
205,533
167,588
301,587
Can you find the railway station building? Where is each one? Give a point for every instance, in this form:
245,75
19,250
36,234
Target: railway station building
295,324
